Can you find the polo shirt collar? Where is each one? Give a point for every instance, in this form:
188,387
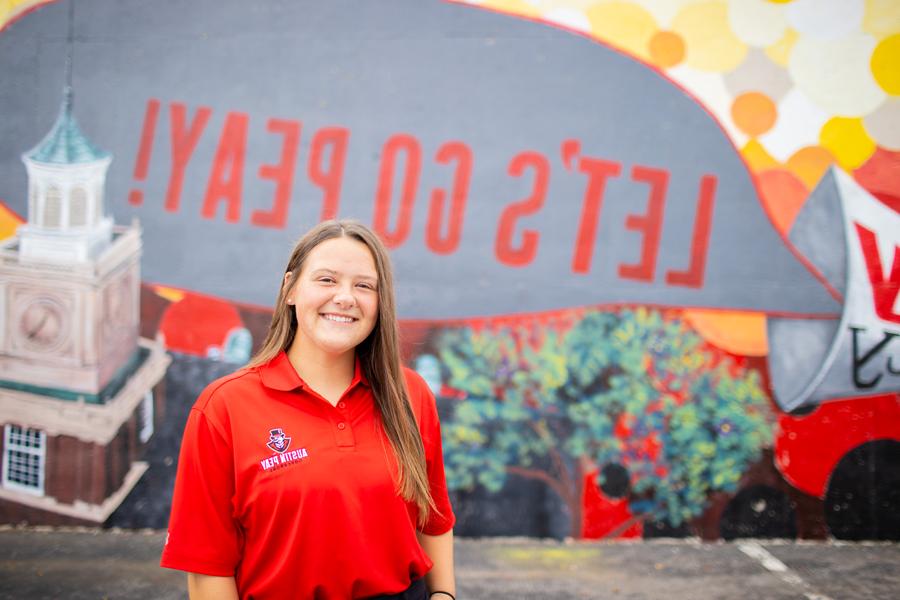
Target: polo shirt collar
279,374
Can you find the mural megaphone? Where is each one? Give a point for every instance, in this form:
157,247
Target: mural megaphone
516,168
854,241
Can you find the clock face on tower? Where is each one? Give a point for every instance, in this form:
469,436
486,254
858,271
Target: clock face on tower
42,324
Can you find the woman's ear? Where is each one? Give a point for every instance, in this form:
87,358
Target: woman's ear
286,284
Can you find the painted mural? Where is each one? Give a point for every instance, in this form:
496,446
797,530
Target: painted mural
648,252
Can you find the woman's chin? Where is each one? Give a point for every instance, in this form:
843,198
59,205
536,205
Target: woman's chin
336,347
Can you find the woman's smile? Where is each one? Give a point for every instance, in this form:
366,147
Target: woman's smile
336,318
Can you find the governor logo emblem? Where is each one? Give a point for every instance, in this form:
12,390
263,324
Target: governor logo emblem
278,441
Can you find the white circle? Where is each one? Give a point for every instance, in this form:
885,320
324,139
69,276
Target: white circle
836,76
757,22
798,125
826,19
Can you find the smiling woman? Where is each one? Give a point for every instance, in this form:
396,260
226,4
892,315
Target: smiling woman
284,486
335,299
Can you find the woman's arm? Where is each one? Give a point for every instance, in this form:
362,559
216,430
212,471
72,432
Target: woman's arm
210,587
439,549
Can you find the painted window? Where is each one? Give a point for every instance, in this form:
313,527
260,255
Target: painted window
24,458
79,208
52,208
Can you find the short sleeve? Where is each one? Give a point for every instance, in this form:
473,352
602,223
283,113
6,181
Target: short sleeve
203,536
440,520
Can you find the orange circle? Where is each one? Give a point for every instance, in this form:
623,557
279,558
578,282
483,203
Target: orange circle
809,164
738,332
666,49
754,113
783,196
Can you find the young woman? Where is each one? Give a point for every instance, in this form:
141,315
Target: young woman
316,471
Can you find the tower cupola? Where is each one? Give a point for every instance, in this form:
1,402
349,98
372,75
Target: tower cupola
67,222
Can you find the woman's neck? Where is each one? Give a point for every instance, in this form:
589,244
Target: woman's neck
329,375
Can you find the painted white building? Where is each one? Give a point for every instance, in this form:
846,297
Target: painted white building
80,391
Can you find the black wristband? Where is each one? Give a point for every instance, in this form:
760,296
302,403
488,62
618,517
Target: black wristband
431,595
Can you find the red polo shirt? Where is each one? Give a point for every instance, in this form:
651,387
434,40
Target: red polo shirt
296,498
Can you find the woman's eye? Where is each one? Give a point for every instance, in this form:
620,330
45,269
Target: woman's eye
366,286
326,280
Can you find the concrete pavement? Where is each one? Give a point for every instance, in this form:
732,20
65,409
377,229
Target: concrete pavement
37,563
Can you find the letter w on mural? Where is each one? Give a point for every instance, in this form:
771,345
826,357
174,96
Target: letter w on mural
849,236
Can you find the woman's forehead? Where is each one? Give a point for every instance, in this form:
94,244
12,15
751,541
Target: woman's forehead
342,255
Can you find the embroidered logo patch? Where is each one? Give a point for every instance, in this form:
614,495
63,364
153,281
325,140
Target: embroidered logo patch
280,444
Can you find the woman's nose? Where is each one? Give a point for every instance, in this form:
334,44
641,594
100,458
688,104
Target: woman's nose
344,298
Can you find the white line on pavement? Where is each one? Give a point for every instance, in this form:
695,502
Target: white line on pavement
765,558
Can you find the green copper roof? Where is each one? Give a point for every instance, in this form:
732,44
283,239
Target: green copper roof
66,144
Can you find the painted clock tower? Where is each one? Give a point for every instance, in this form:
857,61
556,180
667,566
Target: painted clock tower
77,400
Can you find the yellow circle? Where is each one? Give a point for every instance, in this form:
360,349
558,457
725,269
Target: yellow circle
886,64
847,141
514,7
626,26
711,45
757,157
882,17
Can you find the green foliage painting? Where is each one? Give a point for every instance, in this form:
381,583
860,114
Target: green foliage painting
635,388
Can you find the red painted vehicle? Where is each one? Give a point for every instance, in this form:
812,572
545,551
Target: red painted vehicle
847,453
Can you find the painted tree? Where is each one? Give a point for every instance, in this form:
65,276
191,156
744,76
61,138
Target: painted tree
634,388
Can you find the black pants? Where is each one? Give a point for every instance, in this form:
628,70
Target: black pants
416,591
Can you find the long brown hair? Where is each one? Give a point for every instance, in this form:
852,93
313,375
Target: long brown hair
379,355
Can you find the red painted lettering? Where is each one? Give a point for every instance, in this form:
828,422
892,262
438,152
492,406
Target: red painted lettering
503,244
330,178
408,145
226,179
693,276
598,172
141,164
445,244
884,291
648,224
282,174
183,144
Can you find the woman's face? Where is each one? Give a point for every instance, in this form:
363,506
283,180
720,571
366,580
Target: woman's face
335,298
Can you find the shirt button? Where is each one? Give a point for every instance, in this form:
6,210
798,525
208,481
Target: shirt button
342,405
342,426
